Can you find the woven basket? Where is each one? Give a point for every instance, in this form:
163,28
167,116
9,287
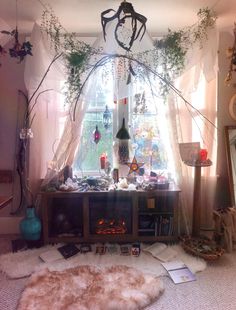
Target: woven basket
202,248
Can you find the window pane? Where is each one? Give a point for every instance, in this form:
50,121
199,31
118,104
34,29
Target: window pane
149,147
88,155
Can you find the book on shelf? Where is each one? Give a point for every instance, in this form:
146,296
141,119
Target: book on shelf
160,225
165,225
179,272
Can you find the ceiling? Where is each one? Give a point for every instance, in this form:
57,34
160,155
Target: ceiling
83,16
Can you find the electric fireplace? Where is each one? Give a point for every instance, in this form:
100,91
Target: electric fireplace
109,215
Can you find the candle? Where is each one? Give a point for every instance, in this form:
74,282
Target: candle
103,158
203,154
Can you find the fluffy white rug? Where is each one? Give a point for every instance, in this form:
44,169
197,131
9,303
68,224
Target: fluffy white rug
87,287
22,264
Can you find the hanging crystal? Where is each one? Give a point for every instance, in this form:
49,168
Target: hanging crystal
106,118
96,135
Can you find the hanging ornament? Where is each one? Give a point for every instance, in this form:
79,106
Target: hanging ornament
134,166
96,135
18,50
123,147
107,118
124,101
140,106
130,24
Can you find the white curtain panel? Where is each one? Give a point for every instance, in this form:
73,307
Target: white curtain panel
198,85
54,147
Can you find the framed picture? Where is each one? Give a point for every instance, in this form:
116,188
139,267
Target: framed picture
189,152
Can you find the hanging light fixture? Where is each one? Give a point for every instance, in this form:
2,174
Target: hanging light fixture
96,135
124,15
18,50
106,118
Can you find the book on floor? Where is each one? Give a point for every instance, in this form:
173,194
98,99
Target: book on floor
161,251
51,255
63,252
68,250
179,272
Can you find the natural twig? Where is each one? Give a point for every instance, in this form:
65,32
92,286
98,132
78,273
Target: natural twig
55,58
109,57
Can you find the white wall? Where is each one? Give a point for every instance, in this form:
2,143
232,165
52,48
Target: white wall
224,94
11,109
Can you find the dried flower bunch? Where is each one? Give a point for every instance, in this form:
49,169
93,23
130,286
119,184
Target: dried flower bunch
231,54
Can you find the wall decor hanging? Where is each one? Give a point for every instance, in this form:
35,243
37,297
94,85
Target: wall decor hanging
18,50
124,15
231,54
134,166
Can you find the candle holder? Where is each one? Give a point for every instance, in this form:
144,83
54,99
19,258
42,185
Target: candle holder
203,155
103,159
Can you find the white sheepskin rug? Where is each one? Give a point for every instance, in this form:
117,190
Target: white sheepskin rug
89,287
25,263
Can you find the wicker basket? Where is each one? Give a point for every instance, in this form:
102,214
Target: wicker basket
202,248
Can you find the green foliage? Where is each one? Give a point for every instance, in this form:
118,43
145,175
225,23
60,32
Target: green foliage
169,53
76,59
175,45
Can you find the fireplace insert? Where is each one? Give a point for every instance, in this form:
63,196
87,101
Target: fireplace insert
110,215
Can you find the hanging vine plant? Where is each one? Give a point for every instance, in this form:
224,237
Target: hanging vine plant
175,45
168,54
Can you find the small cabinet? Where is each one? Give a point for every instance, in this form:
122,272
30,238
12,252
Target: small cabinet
119,216
156,215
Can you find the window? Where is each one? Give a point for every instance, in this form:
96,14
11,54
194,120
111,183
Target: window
87,158
145,120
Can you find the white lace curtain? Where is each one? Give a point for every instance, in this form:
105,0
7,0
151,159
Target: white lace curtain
51,149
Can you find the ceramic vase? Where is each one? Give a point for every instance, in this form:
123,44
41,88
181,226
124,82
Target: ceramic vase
30,226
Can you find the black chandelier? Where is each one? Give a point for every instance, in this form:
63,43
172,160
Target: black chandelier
125,14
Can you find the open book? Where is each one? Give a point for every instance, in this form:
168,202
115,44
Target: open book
161,251
179,272
65,251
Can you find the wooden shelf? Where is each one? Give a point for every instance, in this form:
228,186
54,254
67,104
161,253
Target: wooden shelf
4,201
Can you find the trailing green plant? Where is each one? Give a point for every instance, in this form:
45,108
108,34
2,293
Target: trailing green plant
174,46
167,58
76,53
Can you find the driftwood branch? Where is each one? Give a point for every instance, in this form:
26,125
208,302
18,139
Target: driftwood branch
108,57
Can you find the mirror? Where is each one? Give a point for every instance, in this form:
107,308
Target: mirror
230,139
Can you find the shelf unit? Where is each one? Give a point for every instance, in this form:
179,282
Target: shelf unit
73,216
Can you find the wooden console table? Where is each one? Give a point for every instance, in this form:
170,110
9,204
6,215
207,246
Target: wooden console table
148,215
